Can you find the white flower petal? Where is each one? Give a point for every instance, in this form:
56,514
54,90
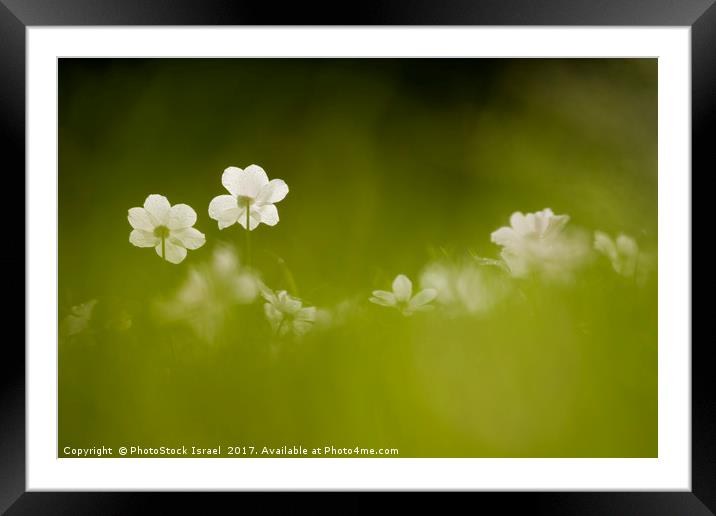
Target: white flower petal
231,179
381,297
251,180
627,245
541,222
158,208
556,224
273,315
604,244
423,297
307,314
225,223
254,218
181,216
268,214
504,236
273,192
172,253
531,224
519,223
300,328
191,238
142,238
225,210
268,294
220,204
402,288
288,304
139,218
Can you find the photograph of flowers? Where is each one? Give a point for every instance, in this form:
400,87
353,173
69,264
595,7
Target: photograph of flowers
357,258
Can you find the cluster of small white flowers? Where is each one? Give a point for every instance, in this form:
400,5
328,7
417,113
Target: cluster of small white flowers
210,289
537,243
534,244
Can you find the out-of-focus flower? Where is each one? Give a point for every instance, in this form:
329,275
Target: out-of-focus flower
78,319
166,228
622,252
286,314
537,243
210,291
251,200
465,287
402,297
337,315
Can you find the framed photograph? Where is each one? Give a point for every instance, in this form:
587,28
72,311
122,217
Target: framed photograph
421,249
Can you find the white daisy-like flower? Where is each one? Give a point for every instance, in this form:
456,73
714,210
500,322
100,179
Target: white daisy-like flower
286,314
402,297
535,242
166,228
251,200
622,252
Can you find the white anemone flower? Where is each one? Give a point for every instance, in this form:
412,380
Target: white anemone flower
287,315
402,297
622,252
536,242
251,200
166,228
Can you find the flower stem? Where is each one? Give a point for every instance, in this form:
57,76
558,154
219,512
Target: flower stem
280,327
163,254
248,237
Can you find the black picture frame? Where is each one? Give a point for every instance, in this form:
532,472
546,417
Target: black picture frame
17,15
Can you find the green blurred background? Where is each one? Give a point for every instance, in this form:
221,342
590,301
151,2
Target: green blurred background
389,162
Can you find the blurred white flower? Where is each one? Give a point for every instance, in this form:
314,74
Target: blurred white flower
210,290
252,198
402,297
286,314
78,319
166,228
622,252
465,287
337,315
537,243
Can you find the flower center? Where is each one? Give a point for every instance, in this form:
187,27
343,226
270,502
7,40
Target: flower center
244,201
161,232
